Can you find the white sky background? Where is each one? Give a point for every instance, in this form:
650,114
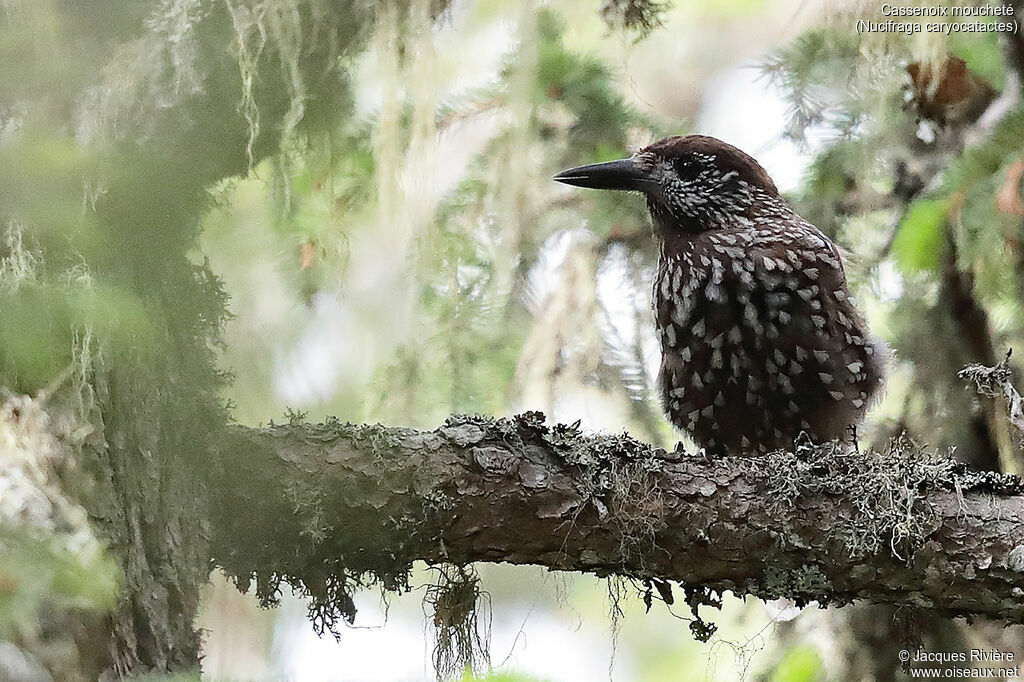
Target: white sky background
549,642
745,110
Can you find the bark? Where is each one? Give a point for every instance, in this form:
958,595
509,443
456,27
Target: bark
326,506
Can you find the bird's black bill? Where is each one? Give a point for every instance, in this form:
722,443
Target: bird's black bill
623,174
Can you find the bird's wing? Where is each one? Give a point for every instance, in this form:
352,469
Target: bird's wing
814,339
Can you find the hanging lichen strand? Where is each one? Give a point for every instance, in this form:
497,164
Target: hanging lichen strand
160,111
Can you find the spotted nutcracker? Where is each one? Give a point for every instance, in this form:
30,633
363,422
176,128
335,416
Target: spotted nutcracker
760,338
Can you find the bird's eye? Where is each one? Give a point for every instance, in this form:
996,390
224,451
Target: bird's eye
687,168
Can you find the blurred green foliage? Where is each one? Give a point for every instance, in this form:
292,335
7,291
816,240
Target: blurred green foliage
799,664
582,84
920,236
37,573
984,55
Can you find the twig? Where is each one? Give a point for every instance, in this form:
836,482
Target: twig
995,381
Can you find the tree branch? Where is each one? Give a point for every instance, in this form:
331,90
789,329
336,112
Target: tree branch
325,507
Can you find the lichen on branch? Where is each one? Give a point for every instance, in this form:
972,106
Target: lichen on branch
356,505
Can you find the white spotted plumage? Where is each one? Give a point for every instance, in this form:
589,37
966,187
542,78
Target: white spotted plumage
760,338
762,347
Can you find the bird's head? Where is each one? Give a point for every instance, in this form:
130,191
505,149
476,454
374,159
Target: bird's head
692,182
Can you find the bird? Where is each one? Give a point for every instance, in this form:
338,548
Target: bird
761,341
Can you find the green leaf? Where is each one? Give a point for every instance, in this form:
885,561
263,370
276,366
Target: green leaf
919,241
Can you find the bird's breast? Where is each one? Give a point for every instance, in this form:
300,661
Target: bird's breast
757,347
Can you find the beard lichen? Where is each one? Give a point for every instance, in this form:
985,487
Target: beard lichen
459,613
617,477
888,510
